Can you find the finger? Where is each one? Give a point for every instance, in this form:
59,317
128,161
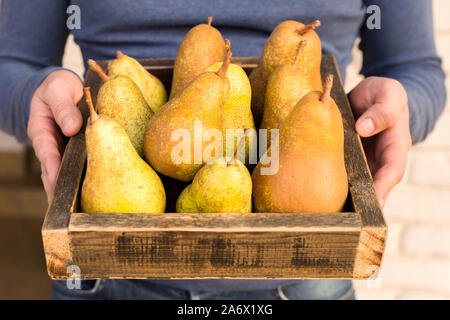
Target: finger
49,174
46,184
377,118
394,160
46,146
65,111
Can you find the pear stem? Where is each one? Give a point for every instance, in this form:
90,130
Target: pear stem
239,147
327,88
301,46
224,68
210,18
227,45
119,54
87,93
97,69
308,27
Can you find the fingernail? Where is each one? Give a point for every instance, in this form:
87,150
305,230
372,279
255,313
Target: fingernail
366,127
67,124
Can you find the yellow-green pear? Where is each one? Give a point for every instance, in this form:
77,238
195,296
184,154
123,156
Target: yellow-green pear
152,88
117,179
120,99
310,176
202,46
219,186
174,139
237,113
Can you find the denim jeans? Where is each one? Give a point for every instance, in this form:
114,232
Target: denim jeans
142,290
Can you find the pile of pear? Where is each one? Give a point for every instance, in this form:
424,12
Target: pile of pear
130,133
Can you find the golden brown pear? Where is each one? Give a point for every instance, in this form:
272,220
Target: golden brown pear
286,86
202,46
311,175
151,87
282,47
237,114
121,99
181,124
117,179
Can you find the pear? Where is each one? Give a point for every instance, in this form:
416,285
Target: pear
188,116
311,175
117,179
219,186
282,46
120,99
287,84
258,86
202,46
237,113
152,88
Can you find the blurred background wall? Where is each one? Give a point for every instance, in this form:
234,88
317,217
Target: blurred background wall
417,260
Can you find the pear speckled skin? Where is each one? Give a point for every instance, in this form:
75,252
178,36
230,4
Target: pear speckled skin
218,187
311,176
203,100
152,88
202,46
117,179
120,99
237,112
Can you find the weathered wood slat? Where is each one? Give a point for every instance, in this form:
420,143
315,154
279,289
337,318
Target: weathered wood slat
269,245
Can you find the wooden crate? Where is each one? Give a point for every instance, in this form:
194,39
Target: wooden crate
342,245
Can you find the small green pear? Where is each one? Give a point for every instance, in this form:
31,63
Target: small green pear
237,113
120,99
152,88
220,187
117,180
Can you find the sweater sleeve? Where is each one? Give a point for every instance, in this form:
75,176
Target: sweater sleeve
32,40
404,49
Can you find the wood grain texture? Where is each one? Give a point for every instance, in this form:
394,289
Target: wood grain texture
171,245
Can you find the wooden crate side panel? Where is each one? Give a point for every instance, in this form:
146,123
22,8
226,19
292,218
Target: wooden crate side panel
57,252
214,245
183,254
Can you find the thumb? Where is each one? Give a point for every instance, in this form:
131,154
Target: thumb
377,118
67,115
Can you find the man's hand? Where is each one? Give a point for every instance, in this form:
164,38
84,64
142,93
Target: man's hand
52,110
381,105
